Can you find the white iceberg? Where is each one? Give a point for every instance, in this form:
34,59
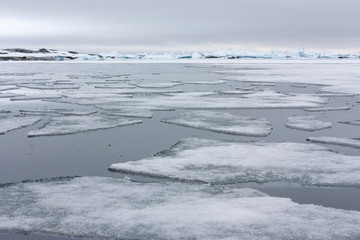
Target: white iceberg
307,123
64,125
109,208
223,123
220,162
347,142
11,123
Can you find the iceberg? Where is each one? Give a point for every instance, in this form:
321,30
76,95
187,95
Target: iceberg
347,142
64,125
11,123
307,123
223,123
110,208
221,162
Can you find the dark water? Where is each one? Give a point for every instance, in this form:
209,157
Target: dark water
91,153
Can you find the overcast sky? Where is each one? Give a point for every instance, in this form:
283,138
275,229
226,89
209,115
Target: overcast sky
180,25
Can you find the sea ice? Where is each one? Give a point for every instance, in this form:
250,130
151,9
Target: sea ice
217,82
48,87
157,85
355,122
223,123
131,112
11,123
64,125
221,162
110,208
307,123
321,109
348,142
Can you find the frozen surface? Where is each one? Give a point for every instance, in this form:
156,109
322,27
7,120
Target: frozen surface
348,142
157,85
11,123
355,122
322,109
222,162
223,122
74,124
206,100
307,123
120,209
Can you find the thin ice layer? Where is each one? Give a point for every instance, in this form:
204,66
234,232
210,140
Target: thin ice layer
119,209
221,162
64,125
307,123
355,122
223,122
347,142
207,100
11,123
321,109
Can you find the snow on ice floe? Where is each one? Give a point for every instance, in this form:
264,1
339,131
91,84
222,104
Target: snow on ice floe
221,162
64,125
347,142
130,112
111,208
307,123
157,85
11,123
355,122
209,100
323,109
223,123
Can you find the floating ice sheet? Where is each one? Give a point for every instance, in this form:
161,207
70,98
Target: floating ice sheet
234,92
36,97
217,82
355,122
64,125
157,85
48,87
207,100
223,123
348,142
307,123
11,123
222,162
321,109
109,208
131,112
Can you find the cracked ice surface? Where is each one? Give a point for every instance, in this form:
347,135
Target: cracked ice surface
119,209
307,123
64,125
223,122
347,142
206,100
222,162
11,123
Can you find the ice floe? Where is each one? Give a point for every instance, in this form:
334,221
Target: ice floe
206,100
157,85
355,122
109,208
11,123
307,123
323,109
347,142
221,162
64,125
222,122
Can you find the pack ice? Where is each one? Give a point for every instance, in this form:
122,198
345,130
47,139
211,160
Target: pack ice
348,142
119,209
11,123
307,123
222,122
64,125
221,162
